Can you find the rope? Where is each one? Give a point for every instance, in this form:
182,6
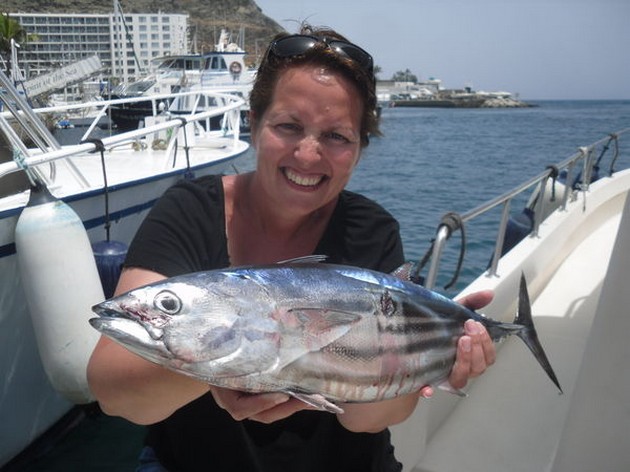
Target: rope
186,148
415,276
20,160
613,137
553,174
453,222
100,147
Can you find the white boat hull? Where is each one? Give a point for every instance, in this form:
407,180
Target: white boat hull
138,172
513,419
27,400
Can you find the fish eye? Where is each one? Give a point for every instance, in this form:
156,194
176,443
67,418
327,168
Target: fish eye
167,302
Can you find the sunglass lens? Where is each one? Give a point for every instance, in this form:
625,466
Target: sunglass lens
293,45
353,52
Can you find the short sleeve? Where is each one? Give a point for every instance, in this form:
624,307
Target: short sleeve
184,231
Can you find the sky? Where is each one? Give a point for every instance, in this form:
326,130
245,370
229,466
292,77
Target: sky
538,49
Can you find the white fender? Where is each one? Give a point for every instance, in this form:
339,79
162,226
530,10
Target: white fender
61,284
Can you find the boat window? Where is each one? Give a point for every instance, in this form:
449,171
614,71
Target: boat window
140,87
192,64
165,64
216,63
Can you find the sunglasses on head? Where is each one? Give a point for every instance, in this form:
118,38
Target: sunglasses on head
298,44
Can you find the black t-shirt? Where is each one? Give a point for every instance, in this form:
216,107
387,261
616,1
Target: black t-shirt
185,232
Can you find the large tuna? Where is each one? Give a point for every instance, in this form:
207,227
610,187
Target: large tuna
322,333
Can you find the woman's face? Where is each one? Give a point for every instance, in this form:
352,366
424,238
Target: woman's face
308,141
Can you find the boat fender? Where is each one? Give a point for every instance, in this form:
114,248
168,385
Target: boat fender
518,227
109,257
61,283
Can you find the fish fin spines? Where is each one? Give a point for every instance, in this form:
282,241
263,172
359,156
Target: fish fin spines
447,387
316,400
311,259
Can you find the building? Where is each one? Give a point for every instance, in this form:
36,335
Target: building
124,43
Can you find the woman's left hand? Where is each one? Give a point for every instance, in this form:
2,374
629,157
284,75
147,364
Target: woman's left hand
475,349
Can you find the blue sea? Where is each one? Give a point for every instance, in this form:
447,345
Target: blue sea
428,162
432,161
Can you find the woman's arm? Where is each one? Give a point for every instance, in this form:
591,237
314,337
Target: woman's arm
127,385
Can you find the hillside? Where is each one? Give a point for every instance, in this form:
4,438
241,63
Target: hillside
206,16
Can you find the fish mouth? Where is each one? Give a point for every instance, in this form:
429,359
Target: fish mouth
132,336
113,320
129,331
115,326
113,315
109,309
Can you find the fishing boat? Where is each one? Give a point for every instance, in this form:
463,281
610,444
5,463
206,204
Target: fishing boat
106,183
223,68
572,243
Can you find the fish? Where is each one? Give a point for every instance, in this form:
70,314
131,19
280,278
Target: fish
323,333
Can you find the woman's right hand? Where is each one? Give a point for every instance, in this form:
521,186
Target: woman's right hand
261,407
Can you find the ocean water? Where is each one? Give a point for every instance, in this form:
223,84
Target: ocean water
432,161
427,163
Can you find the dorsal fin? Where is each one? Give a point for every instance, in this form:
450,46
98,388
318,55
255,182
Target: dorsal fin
313,258
409,273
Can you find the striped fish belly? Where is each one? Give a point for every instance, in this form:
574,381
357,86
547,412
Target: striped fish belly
401,347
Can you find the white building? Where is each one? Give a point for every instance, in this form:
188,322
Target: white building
124,47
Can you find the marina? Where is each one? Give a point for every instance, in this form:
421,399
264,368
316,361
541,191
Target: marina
489,189
222,69
548,260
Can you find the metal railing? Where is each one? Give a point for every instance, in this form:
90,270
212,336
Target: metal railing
587,159
50,151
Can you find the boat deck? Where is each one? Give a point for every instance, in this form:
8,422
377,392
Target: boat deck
98,443
577,294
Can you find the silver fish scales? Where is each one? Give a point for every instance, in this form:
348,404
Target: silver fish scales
320,332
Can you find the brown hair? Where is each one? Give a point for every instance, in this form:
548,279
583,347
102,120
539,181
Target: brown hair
272,66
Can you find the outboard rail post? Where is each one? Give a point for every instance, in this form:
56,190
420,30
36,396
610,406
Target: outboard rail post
584,157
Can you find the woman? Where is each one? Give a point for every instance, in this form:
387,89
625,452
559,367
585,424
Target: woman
312,111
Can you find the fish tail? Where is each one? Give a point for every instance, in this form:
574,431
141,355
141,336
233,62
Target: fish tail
528,332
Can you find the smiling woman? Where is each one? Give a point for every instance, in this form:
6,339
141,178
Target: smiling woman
307,146
312,110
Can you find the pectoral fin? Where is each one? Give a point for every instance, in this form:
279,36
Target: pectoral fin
447,387
307,330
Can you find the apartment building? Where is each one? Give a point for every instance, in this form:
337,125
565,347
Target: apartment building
124,43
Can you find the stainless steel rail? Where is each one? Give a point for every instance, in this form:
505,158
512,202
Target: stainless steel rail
586,157
18,109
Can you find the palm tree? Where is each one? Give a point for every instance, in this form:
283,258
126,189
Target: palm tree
10,29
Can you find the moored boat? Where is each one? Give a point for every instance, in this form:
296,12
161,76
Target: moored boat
109,183
575,257
223,68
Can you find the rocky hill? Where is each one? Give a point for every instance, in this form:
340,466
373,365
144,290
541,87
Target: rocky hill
206,17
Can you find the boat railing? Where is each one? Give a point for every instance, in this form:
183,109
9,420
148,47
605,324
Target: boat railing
576,173
50,151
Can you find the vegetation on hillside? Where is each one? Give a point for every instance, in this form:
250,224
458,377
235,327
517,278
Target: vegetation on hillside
206,17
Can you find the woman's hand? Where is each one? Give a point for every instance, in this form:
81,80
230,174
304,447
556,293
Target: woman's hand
264,407
475,349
